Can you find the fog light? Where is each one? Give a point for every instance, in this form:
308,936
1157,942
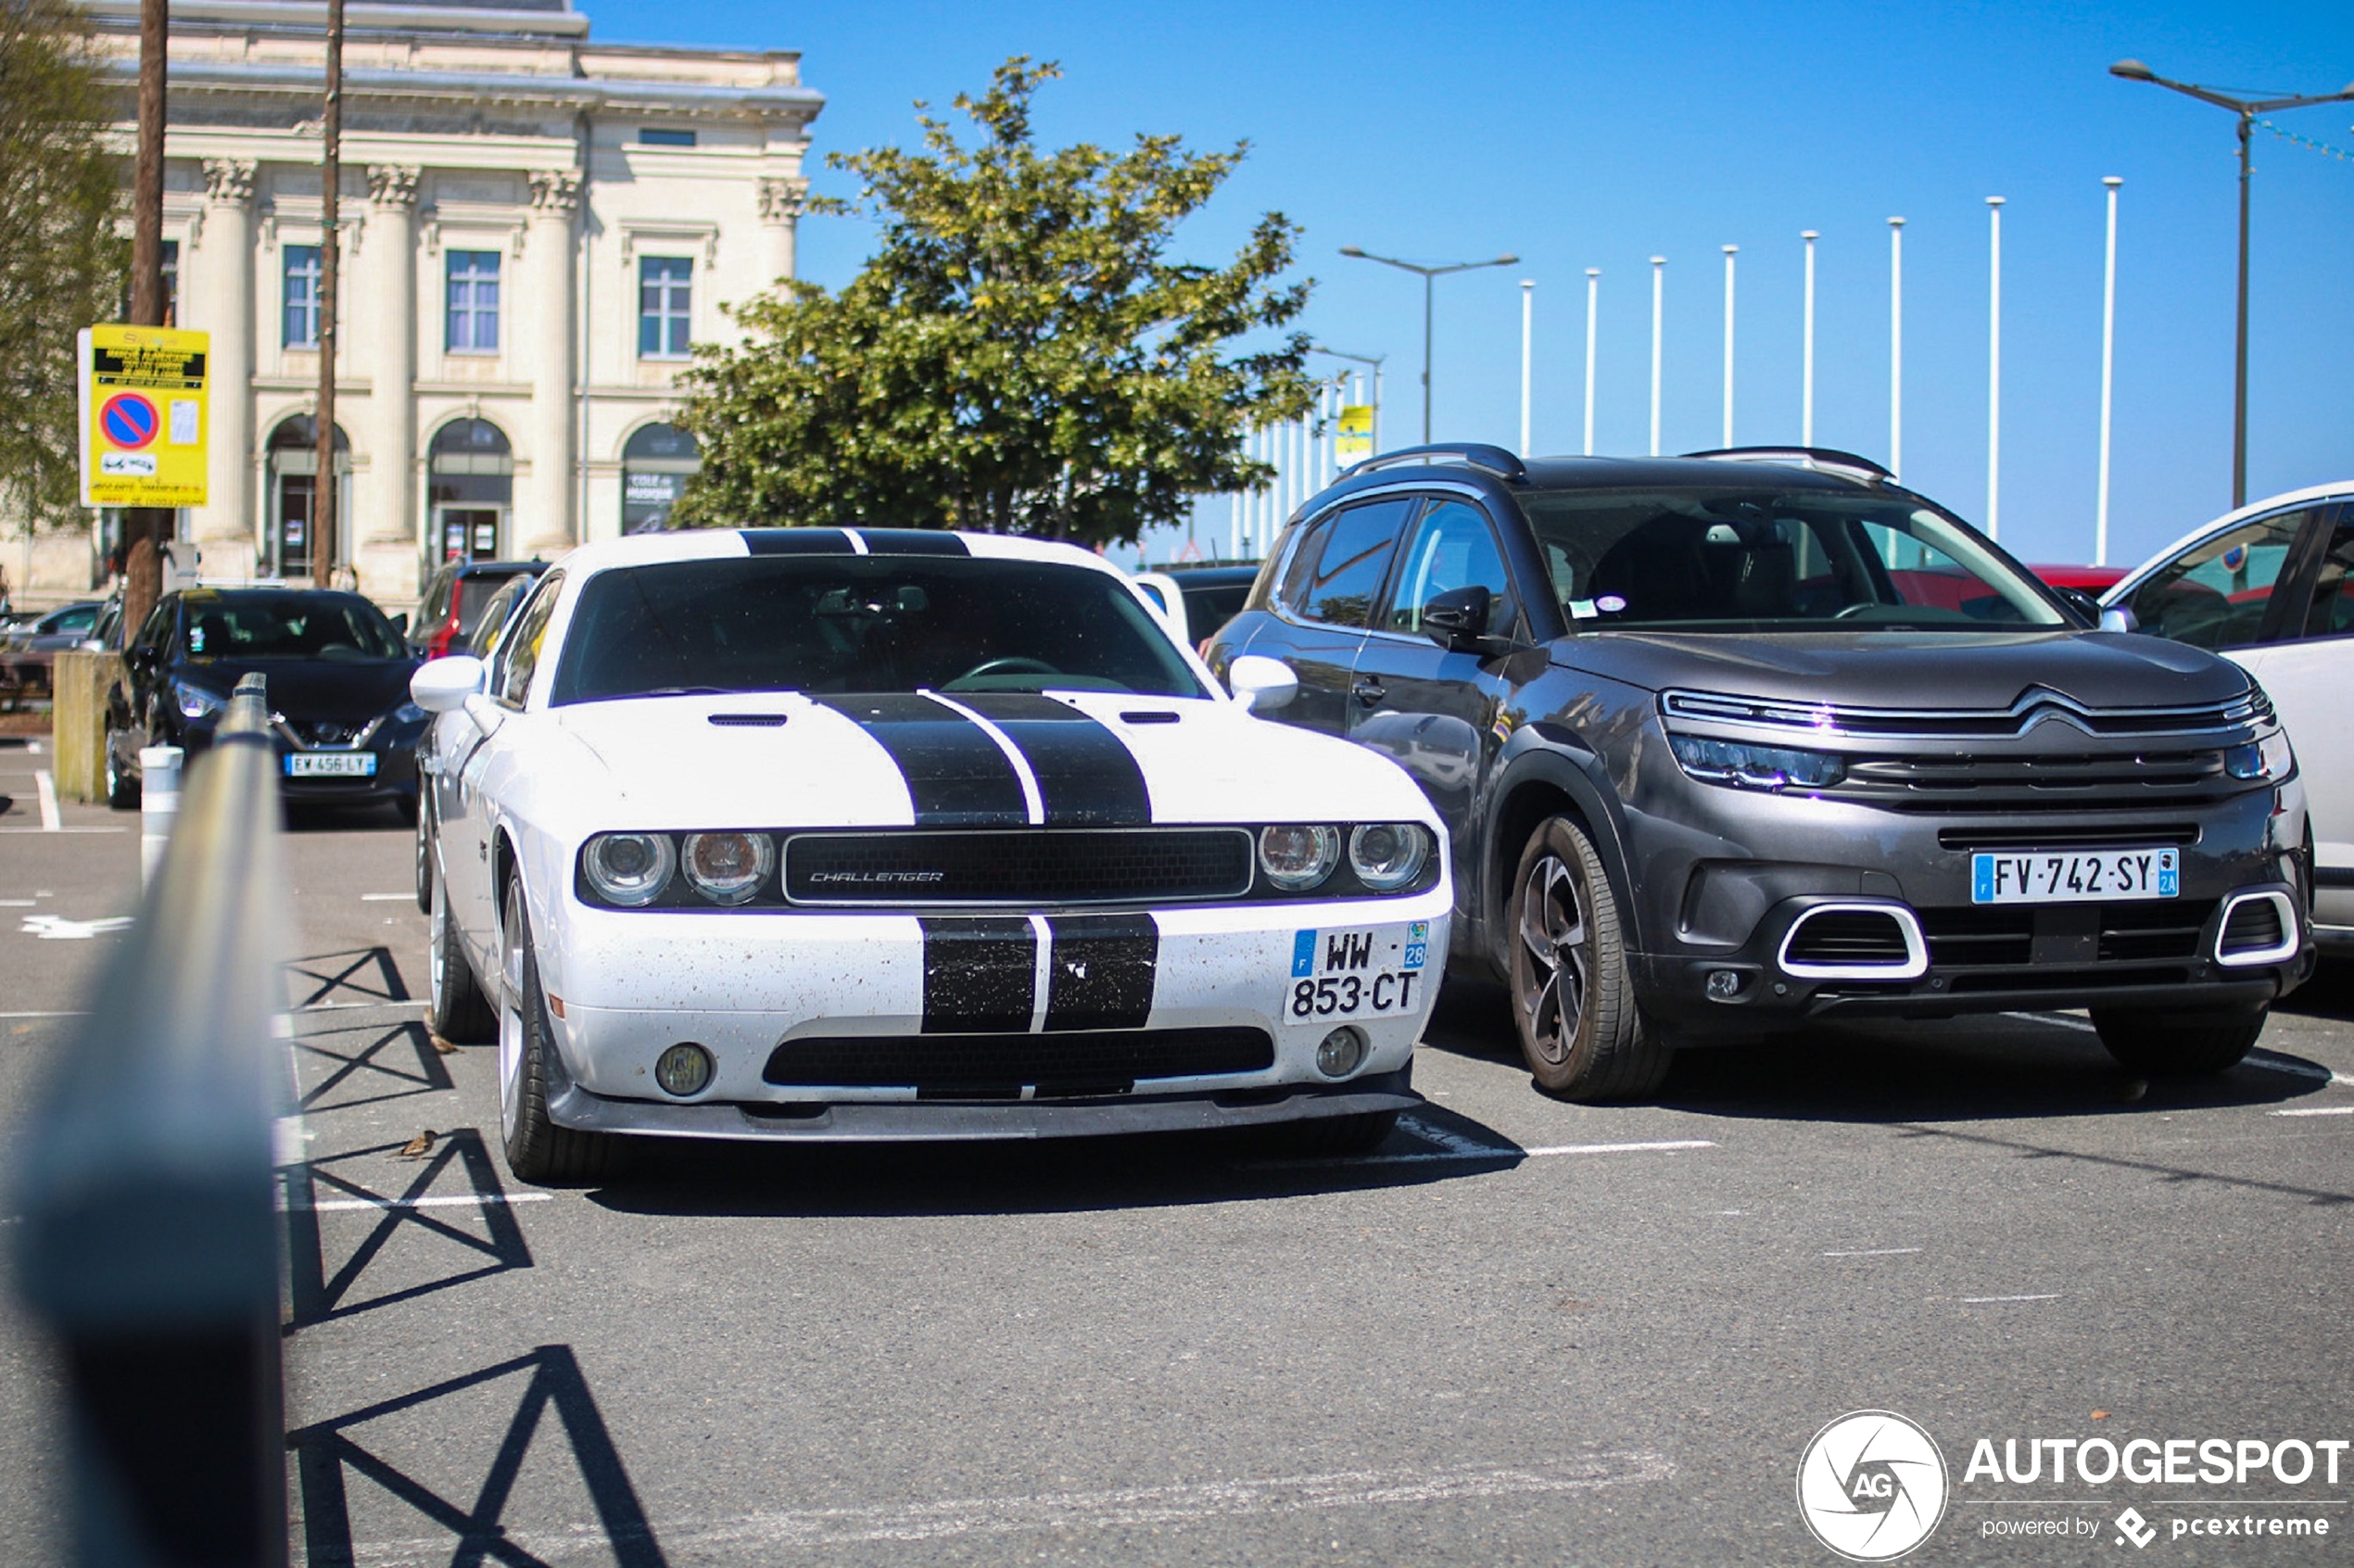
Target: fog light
684,1069
1722,985
1342,1053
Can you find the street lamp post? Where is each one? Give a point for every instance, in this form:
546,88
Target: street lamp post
2108,369
1593,297
1806,358
2247,110
1995,367
1659,286
1527,295
1895,347
1426,275
1731,251
1376,360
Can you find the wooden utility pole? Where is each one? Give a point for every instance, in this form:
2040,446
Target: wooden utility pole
324,518
148,302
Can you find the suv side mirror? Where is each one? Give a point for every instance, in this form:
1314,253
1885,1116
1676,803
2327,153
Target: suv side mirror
1457,619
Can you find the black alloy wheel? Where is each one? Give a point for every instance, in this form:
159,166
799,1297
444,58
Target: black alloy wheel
1572,998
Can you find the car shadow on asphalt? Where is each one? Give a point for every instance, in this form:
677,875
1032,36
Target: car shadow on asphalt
1989,1067
2329,994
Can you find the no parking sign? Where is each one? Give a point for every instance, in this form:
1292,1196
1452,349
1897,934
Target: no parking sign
143,416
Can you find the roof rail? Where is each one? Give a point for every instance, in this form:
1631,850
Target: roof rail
1804,457
1475,454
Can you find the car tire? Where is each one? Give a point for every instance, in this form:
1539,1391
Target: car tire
122,792
460,1013
537,1150
1573,997
2180,1044
423,824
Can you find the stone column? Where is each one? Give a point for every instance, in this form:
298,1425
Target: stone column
382,336
549,526
781,205
228,527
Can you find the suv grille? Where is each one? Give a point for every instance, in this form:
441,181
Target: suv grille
2066,945
1993,782
1018,866
1002,1065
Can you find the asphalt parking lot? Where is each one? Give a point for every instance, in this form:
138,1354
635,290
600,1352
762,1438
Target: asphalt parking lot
1522,1332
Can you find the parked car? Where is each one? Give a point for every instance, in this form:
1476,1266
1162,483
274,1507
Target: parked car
489,627
345,729
1732,742
1198,600
2266,587
28,651
816,833
452,605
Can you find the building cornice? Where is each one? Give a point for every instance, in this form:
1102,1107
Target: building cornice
282,15
570,95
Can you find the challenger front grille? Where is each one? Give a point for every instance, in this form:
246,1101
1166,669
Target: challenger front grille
1025,866
1003,1066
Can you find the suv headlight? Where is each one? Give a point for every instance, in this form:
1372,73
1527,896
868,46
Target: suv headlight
2268,758
195,701
1755,767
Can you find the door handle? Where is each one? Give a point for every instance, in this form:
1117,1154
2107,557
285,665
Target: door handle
1368,692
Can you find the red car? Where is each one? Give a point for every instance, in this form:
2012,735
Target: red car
2094,580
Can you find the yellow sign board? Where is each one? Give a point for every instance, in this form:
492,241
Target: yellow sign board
1354,441
144,419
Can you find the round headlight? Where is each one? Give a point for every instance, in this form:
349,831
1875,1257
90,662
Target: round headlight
1296,858
728,868
629,868
683,1069
1387,855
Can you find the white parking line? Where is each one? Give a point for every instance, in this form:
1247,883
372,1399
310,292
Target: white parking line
438,1200
1481,1152
71,1015
2318,1110
2279,1063
44,784
1875,1252
386,898
1978,1300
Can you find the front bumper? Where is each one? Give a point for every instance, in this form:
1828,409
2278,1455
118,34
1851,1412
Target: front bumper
768,992
1725,900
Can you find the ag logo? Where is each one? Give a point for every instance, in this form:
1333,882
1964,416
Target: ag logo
1871,1486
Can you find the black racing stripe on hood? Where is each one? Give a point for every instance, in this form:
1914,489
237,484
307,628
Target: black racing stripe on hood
796,541
980,974
956,774
1100,974
1087,776
912,541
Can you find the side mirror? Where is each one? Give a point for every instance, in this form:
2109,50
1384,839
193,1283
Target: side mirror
1457,619
2119,618
1263,684
442,686
401,623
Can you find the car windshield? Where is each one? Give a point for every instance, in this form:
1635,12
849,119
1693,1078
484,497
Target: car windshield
835,624
330,626
1751,561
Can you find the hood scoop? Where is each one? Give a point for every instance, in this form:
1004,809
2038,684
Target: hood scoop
748,721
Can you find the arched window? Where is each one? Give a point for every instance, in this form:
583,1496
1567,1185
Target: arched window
293,493
655,466
471,487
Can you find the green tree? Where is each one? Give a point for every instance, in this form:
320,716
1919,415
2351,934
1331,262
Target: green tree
1019,356
62,264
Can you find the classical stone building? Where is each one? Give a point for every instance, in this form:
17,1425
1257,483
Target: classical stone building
535,229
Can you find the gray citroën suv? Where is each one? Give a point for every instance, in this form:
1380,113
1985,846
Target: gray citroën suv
1738,741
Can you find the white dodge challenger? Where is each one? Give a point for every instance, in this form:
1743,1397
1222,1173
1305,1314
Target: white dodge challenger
822,833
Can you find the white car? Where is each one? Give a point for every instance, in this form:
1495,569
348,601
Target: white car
820,833
2267,587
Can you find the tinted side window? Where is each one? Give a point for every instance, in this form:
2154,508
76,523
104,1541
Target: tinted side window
2215,594
156,631
1350,563
519,656
2333,610
1452,548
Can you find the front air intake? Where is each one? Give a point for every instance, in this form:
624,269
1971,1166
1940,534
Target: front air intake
2256,927
1855,942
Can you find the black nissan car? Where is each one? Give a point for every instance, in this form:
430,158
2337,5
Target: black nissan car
339,689
1738,741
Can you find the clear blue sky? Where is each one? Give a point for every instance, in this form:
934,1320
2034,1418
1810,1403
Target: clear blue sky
1581,135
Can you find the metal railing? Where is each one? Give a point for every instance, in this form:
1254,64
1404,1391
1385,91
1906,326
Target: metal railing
149,1245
